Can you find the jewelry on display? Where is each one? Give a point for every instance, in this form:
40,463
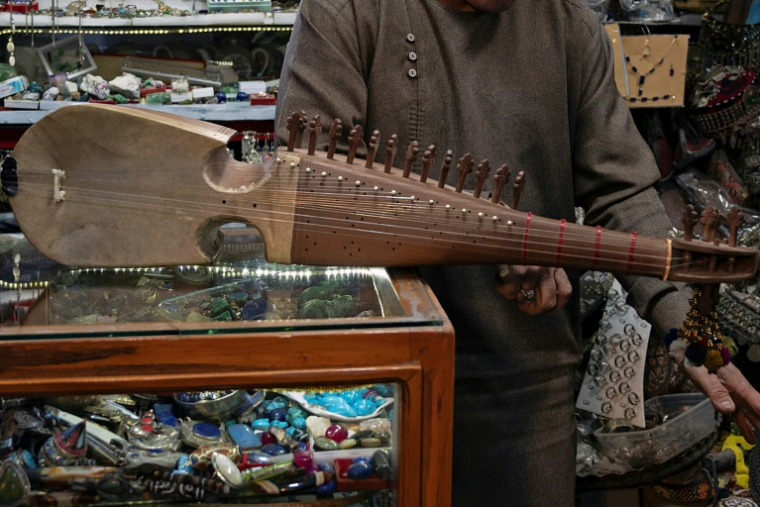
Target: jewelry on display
529,294
646,53
722,43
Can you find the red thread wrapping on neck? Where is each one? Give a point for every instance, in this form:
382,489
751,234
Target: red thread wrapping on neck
561,239
525,239
597,244
629,267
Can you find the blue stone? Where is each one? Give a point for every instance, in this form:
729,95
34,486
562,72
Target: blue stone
295,412
332,484
378,401
350,396
364,407
261,424
280,424
278,414
165,415
309,397
221,97
255,308
381,389
363,459
299,422
244,437
259,458
279,402
207,430
360,470
274,449
241,97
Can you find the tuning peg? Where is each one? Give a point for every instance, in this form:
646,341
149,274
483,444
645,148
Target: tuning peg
464,166
499,180
734,220
295,127
481,173
373,141
301,124
709,222
517,189
390,152
427,161
315,129
689,220
335,130
445,169
411,157
355,138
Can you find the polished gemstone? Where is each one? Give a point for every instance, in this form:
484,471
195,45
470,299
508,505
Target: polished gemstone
244,437
384,436
348,443
377,424
268,438
360,470
261,424
337,433
381,461
325,444
275,449
361,435
303,458
371,442
278,414
364,407
207,430
299,423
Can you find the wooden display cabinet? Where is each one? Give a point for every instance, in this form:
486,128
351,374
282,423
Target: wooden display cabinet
411,345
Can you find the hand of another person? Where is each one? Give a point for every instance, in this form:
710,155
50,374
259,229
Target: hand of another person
730,393
536,289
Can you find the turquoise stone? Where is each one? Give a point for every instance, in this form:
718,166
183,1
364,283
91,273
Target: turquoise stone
261,424
300,423
244,436
381,389
350,396
279,402
364,407
325,444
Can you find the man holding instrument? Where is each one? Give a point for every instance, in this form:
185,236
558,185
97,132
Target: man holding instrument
530,84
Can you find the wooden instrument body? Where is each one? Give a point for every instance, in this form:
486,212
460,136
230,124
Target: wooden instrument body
144,189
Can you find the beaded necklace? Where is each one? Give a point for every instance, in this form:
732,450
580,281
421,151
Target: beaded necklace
646,51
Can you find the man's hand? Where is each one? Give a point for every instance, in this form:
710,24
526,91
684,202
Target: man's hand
730,393
535,289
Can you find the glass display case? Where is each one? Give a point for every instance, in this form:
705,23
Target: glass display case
242,382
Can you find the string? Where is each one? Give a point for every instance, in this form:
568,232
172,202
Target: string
396,233
323,205
329,204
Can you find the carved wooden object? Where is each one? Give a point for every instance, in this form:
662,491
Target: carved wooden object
162,204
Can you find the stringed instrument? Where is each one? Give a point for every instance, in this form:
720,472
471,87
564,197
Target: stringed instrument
113,186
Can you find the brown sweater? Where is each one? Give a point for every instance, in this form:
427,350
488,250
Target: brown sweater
532,87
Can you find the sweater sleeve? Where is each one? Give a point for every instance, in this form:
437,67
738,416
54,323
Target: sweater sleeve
323,72
614,170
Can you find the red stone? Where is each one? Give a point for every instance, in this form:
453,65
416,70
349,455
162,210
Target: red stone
336,433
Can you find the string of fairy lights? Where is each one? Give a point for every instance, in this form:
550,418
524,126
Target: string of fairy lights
145,31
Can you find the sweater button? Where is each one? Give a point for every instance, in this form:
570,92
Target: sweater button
410,37
412,56
412,73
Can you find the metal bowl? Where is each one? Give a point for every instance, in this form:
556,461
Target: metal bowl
218,409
